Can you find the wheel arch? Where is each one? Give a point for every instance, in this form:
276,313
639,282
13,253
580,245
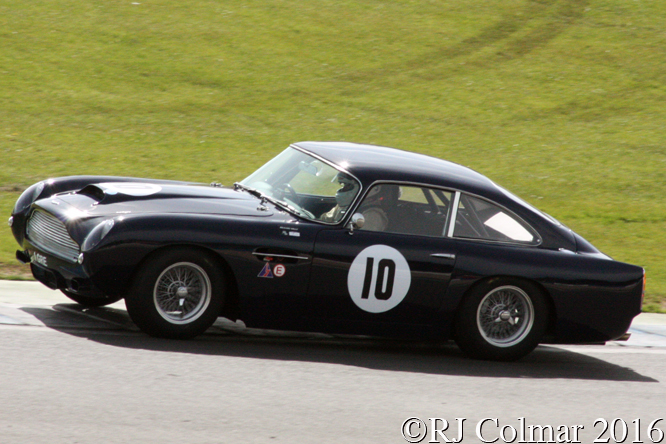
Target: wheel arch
552,314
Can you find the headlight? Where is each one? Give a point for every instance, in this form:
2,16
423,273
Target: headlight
97,234
28,197
106,228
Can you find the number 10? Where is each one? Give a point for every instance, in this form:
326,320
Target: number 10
385,271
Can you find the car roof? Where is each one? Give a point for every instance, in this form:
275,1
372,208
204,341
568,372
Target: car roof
370,163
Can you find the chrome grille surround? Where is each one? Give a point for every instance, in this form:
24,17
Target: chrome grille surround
48,233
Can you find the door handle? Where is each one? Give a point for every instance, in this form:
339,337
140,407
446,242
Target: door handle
443,255
281,256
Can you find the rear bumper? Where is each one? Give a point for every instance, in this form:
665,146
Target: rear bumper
596,316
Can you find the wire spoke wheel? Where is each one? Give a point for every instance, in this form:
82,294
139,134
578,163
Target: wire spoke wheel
501,319
505,316
182,293
177,293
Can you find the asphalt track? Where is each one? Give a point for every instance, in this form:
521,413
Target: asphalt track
73,375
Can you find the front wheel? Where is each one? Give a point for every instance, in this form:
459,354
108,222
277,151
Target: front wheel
177,294
501,319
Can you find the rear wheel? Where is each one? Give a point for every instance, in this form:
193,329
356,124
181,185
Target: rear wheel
176,294
88,301
501,319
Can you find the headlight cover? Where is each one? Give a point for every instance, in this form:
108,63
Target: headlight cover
97,234
28,197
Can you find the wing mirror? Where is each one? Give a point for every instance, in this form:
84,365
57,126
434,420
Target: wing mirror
357,222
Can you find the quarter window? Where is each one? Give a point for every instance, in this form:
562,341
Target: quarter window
479,219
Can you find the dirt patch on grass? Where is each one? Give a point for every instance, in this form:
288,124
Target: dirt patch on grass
16,272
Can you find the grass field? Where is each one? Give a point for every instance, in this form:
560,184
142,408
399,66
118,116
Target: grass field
560,101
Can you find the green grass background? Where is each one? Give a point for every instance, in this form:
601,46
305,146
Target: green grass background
560,101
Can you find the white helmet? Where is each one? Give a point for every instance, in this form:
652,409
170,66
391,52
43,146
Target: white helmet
388,193
345,195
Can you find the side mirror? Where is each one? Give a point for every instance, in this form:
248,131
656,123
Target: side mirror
357,222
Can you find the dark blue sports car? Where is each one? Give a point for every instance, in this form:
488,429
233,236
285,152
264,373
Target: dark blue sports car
330,237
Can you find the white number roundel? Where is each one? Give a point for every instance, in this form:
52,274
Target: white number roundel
379,279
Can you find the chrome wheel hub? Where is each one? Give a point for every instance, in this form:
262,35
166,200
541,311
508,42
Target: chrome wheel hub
182,293
505,316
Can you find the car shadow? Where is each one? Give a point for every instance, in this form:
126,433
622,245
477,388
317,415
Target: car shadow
111,326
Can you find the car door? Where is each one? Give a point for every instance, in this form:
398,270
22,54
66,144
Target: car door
387,279
272,273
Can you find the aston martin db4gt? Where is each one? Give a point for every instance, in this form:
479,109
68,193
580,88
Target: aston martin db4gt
330,237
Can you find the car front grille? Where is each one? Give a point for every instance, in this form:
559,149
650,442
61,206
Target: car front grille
49,233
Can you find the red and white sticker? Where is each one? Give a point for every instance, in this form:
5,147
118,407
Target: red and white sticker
279,270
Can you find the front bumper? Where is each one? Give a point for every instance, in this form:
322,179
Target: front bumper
58,274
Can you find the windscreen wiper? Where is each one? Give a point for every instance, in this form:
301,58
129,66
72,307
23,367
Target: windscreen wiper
265,198
283,205
252,191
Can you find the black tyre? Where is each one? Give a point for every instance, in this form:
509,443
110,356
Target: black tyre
87,301
501,320
176,294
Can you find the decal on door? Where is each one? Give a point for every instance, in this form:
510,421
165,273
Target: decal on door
266,272
379,279
279,270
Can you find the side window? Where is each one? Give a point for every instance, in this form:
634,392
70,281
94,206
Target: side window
405,209
479,219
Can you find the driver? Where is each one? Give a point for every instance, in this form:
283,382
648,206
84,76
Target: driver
343,197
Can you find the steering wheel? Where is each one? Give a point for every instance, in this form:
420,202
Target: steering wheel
287,189
288,192
292,194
